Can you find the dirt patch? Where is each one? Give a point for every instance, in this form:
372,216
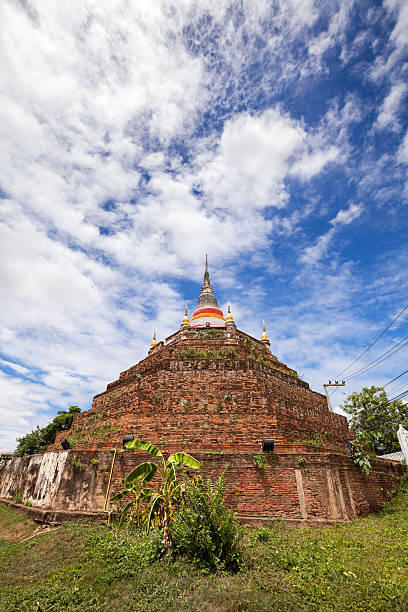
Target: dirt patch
15,527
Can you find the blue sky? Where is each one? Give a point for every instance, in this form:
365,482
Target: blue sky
136,137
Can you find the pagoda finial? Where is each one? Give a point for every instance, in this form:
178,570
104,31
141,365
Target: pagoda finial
186,321
207,296
153,344
206,274
264,337
229,318
207,313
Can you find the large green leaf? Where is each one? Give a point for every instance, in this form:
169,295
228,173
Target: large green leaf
146,471
125,511
146,446
171,472
118,496
185,459
146,494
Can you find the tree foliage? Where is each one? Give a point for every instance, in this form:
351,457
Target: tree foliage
375,417
41,437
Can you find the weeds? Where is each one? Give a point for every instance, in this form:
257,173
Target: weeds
76,463
259,461
18,498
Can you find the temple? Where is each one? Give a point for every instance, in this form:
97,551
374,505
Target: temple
221,395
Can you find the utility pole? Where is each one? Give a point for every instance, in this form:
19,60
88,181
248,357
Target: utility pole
336,383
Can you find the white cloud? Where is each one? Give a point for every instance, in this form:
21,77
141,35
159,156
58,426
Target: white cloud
311,164
334,35
345,217
402,154
313,254
388,115
388,64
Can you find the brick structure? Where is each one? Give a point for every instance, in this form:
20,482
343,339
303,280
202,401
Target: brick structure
215,392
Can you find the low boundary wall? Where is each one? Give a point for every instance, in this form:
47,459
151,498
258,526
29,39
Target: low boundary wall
315,488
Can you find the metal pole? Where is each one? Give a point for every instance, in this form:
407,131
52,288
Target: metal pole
110,478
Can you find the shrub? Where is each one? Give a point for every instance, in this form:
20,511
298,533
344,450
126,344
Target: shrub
260,534
28,503
204,530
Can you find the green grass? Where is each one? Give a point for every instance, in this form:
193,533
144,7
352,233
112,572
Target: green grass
85,567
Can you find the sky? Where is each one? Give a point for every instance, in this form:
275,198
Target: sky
135,137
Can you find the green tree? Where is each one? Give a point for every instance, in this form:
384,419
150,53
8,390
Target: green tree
375,417
38,439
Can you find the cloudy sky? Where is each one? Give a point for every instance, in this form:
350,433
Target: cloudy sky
137,136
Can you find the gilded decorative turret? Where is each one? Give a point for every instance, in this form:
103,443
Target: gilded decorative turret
153,344
207,313
264,338
185,324
229,321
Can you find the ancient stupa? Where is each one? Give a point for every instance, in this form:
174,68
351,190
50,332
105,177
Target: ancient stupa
221,395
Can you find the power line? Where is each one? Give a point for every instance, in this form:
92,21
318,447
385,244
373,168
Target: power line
393,399
398,397
396,378
379,359
372,344
398,388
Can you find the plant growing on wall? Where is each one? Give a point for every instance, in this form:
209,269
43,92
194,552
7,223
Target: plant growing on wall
18,498
76,463
361,454
259,461
160,501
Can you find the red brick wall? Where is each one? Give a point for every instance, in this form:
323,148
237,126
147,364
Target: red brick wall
211,404
333,488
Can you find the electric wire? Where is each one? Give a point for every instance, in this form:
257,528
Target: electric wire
397,387
399,390
372,344
389,353
396,378
398,397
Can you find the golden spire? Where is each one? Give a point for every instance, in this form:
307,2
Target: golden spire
154,340
186,321
264,337
229,318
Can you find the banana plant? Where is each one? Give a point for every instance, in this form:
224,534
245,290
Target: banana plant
159,501
133,486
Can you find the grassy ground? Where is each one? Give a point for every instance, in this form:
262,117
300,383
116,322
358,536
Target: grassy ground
94,568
